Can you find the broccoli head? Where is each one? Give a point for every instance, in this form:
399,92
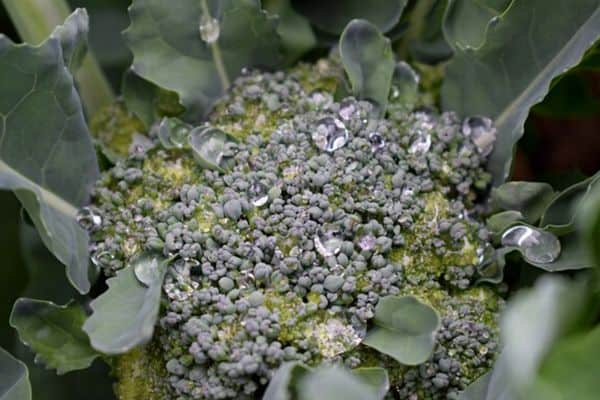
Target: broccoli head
287,217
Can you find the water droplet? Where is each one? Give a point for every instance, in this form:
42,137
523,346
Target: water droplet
173,133
102,259
405,83
330,134
482,133
328,242
421,145
209,29
145,267
367,242
212,147
377,141
407,192
347,110
89,219
259,194
536,245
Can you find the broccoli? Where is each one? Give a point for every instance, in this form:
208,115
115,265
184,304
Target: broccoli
287,217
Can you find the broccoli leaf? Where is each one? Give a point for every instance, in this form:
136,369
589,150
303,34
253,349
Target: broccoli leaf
512,70
124,316
589,224
534,320
331,16
14,378
570,370
46,154
286,377
559,216
296,33
336,383
368,60
404,329
73,36
54,333
169,51
528,198
466,23
490,386
376,377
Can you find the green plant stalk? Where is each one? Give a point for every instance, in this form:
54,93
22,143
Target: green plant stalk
35,20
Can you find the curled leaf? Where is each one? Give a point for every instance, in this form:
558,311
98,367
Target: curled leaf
528,198
124,316
404,329
54,333
368,60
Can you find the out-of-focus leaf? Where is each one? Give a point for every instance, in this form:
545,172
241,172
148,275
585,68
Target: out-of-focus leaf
14,378
404,329
559,216
336,383
169,52
534,320
285,378
430,46
491,386
570,370
295,31
332,16
589,224
54,333
528,198
466,21
47,279
50,170
124,316
368,60
376,377
512,70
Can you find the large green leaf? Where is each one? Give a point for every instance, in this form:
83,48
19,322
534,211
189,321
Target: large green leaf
404,329
168,49
46,154
466,21
336,383
124,316
296,33
528,198
528,46
73,38
534,320
570,370
54,333
331,16
589,224
368,60
14,378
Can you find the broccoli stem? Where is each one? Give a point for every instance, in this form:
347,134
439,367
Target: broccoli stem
216,53
35,20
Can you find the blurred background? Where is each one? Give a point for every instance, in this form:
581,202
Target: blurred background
561,145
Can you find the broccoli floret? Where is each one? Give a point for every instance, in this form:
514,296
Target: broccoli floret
321,209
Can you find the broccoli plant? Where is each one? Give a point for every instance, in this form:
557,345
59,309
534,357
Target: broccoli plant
300,200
